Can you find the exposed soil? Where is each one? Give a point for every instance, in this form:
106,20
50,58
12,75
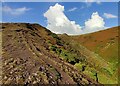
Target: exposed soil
27,59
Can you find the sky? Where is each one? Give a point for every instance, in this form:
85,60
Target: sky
63,17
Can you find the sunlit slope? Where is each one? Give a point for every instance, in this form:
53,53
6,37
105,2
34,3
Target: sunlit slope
101,50
104,43
31,54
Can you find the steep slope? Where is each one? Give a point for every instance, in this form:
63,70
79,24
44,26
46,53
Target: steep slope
101,50
104,43
31,54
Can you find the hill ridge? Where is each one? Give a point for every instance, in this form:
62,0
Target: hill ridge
28,58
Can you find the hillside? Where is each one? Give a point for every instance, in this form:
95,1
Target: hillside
31,54
104,43
101,50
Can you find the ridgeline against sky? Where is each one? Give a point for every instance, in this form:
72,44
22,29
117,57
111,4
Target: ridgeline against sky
75,18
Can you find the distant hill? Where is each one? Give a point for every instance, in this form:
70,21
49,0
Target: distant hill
32,54
104,43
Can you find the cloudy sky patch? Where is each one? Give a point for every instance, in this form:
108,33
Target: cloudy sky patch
64,17
109,16
15,11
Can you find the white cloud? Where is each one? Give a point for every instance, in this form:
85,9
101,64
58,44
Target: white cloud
58,21
14,11
89,2
108,15
97,1
72,9
95,23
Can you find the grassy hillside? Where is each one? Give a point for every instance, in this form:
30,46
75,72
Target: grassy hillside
31,54
101,50
104,43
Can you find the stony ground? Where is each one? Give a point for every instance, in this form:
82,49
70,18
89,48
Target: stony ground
28,59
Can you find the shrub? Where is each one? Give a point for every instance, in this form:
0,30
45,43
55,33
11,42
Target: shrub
59,51
81,66
72,62
58,42
29,27
48,41
53,35
53,48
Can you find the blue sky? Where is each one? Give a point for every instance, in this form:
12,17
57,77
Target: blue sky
80,12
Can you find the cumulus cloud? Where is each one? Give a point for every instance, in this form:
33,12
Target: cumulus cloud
108,15
58,21
14,11
72,9
95,23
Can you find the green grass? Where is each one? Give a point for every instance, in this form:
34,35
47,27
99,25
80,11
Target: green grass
65,54
102,77
105,73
